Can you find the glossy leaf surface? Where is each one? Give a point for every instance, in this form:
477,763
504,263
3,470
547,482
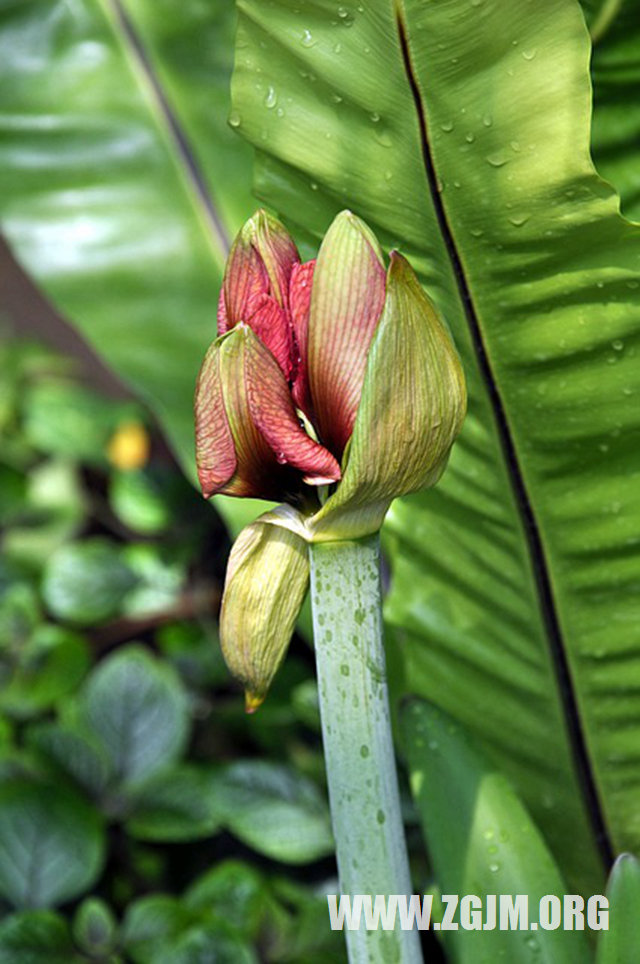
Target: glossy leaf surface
615,69
461,133
620,942
490,847
122,183
464,140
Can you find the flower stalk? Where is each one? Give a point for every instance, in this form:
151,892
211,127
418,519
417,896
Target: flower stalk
356,730
333,387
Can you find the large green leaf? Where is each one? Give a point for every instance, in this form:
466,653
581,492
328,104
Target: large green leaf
619,943
121,181
491,846
469,148
615,68
51,844
460,132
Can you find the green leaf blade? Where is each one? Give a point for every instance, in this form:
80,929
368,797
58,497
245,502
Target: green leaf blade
492,847
517,592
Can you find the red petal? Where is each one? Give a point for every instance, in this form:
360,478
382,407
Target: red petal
299,302
258,473
278,252
270,324
215,451
245,281
223,321
348,297
232,455
273,412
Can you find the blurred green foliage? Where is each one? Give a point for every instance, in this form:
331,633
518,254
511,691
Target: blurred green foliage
143,817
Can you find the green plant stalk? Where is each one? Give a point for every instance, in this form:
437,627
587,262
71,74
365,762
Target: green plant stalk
358,747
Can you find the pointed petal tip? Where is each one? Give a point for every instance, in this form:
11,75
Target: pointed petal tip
252,702
398,263
352,222
322,480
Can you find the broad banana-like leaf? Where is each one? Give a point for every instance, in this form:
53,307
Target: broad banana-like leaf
620,942
121,181
615,67
483,842
460,132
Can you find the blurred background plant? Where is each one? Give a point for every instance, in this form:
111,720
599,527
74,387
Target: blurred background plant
143,816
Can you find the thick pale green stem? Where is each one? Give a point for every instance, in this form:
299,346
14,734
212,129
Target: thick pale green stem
361,770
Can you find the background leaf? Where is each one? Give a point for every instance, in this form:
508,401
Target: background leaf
274,810
619,943
137,709
177,804
94,927
615,68
84,582
51,844
36,937
461,134
491,847
122,184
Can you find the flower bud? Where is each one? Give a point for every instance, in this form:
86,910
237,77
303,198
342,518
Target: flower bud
332,387
267,579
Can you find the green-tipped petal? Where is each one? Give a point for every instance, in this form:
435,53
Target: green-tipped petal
215,451
232,454
245,282
346,303
257,474
260,263
267,579
277,250
412,407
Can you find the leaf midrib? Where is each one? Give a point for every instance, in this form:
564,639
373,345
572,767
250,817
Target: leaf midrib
177,141
531,533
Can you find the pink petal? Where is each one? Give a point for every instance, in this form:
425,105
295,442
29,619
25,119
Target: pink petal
232,456
258,473
299,304
215,451
273,412
278,252
348,297
245,281
223,320
270,324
